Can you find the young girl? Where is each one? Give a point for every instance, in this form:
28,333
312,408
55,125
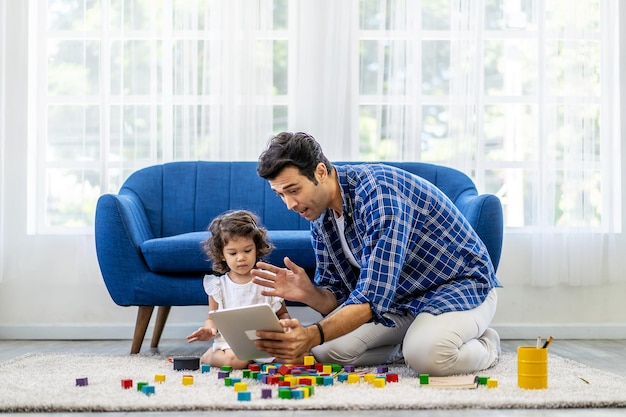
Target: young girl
236,244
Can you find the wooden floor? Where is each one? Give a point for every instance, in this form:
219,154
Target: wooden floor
609,355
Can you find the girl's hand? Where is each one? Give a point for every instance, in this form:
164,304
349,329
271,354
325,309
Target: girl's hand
203,333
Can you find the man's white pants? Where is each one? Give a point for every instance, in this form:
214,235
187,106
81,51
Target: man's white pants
451,343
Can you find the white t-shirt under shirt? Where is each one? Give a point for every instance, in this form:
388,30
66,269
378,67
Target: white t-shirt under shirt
341,225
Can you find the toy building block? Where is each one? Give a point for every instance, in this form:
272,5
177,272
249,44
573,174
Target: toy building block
240,386
272,380
148,389
266,393
309,360
492,383
187,380
186,364
354,378
304,380
284,393
424,379
159,378
255,367
379,382
284,370
482,380
244,396
391,377
297,394
349,368
82,382
206,368
222,374
288,382
369,377
127,383
382,369
140,385
326,380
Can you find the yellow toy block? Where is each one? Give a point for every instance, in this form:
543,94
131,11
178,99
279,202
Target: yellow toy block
369,378
187,379
354,378
159,378
492,383
379,382
240,386
309,360
291,379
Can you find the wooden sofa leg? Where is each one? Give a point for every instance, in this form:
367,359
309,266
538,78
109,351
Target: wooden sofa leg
162,313
143,319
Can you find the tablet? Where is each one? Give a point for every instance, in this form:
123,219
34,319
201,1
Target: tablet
239,325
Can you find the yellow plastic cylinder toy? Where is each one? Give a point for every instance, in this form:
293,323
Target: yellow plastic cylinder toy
532,367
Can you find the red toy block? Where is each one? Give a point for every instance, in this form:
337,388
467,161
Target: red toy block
127,383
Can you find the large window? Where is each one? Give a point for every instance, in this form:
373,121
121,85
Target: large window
516,93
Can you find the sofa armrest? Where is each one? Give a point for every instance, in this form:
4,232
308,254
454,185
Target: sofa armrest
121,226
484,213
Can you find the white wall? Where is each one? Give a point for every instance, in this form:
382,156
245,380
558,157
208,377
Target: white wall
56,292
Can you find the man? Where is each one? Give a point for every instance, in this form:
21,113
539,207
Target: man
400,272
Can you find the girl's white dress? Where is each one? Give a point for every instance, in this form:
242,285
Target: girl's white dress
229,294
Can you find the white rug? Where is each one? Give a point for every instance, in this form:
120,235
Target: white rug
47,383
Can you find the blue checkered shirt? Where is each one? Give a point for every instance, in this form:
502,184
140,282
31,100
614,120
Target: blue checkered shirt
416,251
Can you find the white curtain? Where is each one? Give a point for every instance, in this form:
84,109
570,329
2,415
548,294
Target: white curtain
575,115
324,79
3,37
580,250
198,80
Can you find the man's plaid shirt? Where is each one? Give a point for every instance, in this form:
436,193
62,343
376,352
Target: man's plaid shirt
416,251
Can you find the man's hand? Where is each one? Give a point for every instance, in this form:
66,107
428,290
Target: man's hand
290,346
291,283
203,333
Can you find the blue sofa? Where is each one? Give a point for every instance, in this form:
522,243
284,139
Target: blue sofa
148,236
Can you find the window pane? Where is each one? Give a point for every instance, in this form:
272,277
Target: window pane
436,142
511,67
383,14
576,129
73,67
436,14
507,14
435,67
191,72
71,197
74,15
280,115
511,132
132,132
135,67
135,14
573,68
281,67
73,133
281,14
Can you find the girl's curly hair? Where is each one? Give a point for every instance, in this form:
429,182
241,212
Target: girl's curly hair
236,223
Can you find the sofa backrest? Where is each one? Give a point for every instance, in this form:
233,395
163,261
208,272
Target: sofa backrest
182,197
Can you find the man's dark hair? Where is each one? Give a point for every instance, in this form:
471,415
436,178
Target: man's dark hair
286,149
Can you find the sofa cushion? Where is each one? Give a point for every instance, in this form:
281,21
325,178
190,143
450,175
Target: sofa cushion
183,253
